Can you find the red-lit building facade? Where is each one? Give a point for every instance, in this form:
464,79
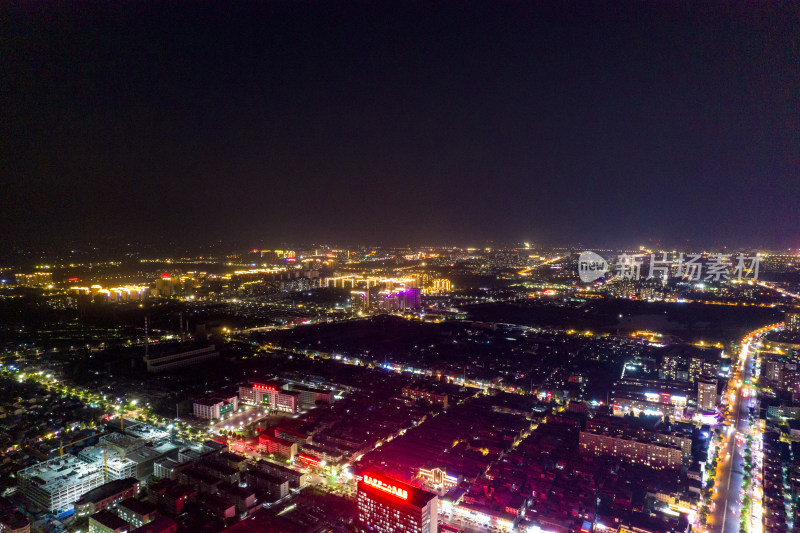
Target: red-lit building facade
389,506
270,394
268,443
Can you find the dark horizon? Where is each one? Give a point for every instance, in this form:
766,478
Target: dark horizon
616,124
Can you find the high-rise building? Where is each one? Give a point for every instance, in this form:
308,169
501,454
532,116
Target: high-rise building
706,394
441,285
412,298
688,363
792,322
781,373
359,301
37,279
389,506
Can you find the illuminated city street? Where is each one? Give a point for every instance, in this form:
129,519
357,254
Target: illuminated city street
728,492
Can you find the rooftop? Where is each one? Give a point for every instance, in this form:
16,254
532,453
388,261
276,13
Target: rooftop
416,497
137,506
107,490
159,523
109,519
55,473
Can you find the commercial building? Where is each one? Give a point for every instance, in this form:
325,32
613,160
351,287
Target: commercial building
328,454
389,506
438,477
179,358
215,407
56,484
706,393
272,394
652,396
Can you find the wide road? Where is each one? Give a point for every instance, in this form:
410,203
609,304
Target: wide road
724,517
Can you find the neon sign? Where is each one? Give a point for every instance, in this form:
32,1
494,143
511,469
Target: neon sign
263,387
307,459
385,487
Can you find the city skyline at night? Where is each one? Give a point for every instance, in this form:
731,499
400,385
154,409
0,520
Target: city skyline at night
284,266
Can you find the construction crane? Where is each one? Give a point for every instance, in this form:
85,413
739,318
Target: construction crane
61,445
104,446
105,462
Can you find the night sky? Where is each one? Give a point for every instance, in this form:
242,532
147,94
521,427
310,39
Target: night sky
616,123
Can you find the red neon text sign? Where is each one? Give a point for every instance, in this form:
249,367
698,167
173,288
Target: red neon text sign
308,460
385,487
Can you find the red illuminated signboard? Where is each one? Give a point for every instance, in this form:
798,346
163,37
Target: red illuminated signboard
263,387
308,460
385,487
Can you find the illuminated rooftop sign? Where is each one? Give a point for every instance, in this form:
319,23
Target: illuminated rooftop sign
309,460
385,487
263,387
